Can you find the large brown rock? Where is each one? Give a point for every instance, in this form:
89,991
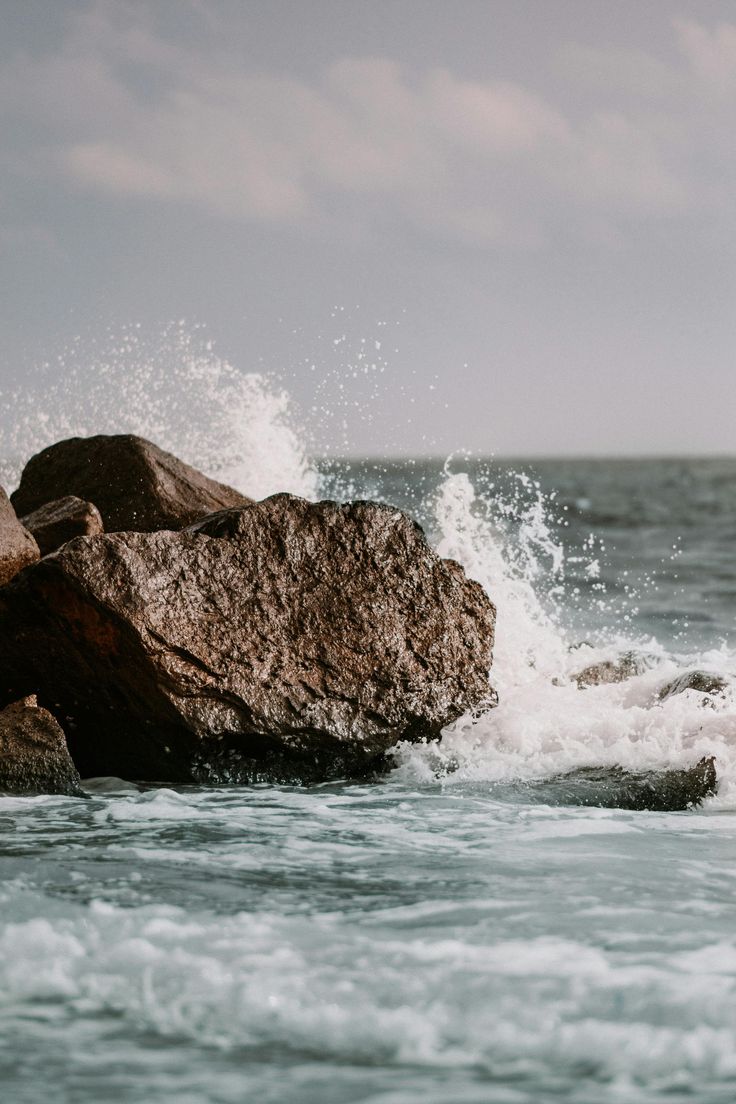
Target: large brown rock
33,754
18,549
57,522
133,483
285,639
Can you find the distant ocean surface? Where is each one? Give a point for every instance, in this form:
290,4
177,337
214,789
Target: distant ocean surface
663,531
437,937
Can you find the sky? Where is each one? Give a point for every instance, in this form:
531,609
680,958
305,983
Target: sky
506,226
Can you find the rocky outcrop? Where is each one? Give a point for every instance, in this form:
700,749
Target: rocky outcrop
283,639
55,523
18,549
33,754
705,682
133,483
615,788
607,672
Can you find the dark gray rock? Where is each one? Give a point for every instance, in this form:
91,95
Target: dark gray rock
133,483
705,682
616,788
18,549
34,758
55,523
284,639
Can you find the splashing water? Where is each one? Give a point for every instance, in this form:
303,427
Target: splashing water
422,938
508,565
173,389
238,427
544,723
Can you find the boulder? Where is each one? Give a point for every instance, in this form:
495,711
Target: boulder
705,682
599,674
286,639
133,483
18,549
33,754
664,791
55,523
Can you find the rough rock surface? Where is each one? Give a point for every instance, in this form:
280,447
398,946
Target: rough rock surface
284,639
599,674
18,549
57,522
615,788
133,483
33,754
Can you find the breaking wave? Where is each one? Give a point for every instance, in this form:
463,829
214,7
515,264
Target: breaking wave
426,937
240,427
545,724
172,388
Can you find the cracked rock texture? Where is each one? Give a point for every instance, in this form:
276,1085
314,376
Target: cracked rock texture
283,639
133,483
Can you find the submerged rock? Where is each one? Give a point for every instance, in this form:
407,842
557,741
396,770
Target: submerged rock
284,639
18,549
615,788
109,785
599,674
704,682
34,758
133,483
55,523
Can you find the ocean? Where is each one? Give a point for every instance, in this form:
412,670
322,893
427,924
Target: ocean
443,935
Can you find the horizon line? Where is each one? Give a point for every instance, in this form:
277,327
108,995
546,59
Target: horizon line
439,457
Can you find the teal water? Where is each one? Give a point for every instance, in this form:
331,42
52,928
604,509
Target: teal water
436,936
667,527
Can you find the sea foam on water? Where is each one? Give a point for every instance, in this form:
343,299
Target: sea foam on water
419,939
544,724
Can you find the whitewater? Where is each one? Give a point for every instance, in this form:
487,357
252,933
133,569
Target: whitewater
442,934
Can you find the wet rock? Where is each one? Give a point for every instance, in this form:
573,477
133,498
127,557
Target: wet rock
106,785
18,549
616,788
704,682
600,674
33,754
55,523
284,639
134,484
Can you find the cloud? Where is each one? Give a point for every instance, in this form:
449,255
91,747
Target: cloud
711,53
637,76
619,163
269,147
124,110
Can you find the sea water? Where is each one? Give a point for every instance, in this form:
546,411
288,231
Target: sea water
436,936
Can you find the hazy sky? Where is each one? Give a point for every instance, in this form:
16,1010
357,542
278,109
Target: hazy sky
536,197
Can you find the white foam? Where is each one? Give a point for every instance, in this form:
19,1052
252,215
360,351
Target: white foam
301,984
544,724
